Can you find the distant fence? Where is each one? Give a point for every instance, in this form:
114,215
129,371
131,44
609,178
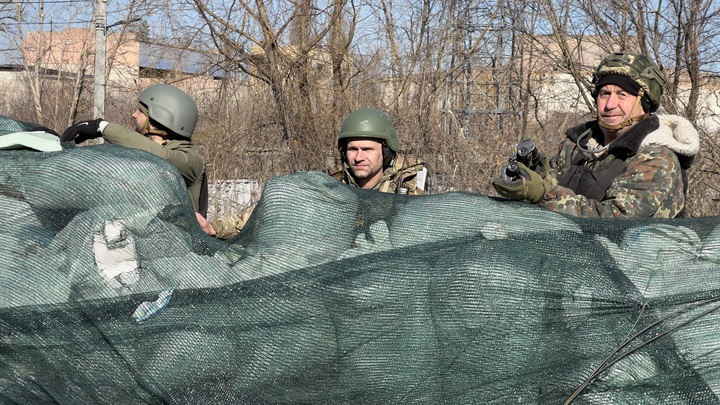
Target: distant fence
229,196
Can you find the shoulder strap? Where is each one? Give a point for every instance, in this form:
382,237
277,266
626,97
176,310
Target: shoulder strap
337,174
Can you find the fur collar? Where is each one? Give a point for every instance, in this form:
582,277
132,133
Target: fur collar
677,133
671,131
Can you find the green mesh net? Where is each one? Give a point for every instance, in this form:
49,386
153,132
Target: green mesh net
111,293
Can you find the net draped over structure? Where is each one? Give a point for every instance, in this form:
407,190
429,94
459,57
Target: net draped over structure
111,293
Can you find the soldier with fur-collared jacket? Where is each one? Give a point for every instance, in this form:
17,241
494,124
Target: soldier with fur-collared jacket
628,163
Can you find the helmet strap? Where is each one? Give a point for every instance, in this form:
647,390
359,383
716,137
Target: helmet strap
342,149
150,130
388,156
632,120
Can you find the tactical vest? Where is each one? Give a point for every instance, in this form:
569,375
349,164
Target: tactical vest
203,200
593,184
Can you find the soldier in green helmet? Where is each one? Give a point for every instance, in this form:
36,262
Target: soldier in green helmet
630,162
368,147
164,119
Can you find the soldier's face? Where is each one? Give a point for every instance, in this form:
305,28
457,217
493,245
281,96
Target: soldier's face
615,105
365,159
139,119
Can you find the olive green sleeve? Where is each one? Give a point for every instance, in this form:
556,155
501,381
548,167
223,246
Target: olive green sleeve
181,154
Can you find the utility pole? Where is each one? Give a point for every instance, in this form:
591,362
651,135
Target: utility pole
100,32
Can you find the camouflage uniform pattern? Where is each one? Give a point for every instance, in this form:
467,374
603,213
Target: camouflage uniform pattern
229,226
404,171
636,67
652,184
181,153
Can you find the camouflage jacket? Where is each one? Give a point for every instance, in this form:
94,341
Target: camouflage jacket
404,171
180,153
228,226
409,172
656,152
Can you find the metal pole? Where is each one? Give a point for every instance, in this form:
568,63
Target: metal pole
100,32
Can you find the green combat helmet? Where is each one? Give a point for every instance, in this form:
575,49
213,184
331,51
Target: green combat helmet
637,67
369,123
170,107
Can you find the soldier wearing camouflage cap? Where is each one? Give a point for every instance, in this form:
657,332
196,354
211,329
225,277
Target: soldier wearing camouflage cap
368,147
164,119
628,163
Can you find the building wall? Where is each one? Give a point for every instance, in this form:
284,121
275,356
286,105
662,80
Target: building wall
73,49
555,90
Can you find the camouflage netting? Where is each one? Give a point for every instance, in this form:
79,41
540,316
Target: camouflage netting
110,293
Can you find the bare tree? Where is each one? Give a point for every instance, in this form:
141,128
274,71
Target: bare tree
284,49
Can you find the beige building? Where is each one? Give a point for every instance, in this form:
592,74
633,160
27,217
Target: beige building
131,64
555,90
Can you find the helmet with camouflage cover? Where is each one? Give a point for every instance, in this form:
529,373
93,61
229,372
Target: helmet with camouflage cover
637,67
369,123
170,107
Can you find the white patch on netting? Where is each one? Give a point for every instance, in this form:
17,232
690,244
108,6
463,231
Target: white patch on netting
114,250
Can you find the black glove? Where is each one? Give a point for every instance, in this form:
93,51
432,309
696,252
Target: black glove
82,131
